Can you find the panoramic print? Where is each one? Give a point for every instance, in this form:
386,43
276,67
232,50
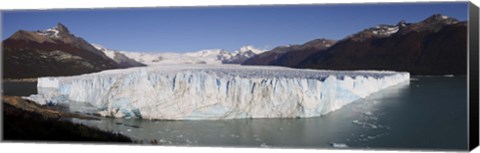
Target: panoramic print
356,76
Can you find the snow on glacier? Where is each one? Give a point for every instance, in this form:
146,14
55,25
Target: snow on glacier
206,56
214,91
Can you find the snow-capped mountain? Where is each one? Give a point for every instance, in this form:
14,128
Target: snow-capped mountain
52,52
241,55
436,45
208,56
432,23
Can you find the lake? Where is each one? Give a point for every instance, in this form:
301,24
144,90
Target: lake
428,113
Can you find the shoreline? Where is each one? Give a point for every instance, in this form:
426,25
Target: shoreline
24,120
20,80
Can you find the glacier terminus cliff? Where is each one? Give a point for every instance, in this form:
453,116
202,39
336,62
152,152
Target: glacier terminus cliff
210,92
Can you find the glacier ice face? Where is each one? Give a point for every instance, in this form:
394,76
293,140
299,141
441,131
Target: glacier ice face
214,91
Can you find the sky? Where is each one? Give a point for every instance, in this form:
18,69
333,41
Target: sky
186,29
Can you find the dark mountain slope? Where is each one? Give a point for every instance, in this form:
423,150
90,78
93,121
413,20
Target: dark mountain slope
51,52
434,46
289,55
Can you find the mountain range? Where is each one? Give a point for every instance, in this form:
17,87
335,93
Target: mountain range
58,52
434,46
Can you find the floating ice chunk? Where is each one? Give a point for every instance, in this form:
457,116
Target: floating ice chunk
339,145
356,122
162,140
368,113
365,124
264,145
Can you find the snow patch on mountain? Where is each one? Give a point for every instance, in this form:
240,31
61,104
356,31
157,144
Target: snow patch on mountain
109,52
385,30
118,57
50,32
54,32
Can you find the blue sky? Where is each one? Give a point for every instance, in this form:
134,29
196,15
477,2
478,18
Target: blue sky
182,29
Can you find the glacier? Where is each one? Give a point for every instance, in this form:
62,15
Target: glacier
209,92
206,56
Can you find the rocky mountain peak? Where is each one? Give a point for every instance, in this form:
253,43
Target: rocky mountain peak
402,23
432,23
57,32
55,52
439,18
61,28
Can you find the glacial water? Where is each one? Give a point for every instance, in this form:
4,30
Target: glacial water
429,113
19,88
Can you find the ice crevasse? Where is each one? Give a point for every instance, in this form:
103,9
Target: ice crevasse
194,92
